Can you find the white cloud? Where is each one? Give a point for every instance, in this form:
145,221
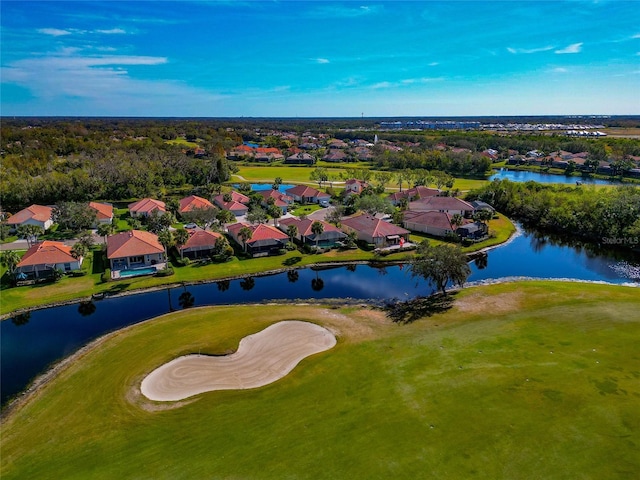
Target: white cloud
559,70
434,64
56,32
637,35
322,60
517,51
381,85
340,11
112,31
573,48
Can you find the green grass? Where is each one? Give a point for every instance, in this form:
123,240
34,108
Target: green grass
183,142
9,239
305,209
521,381
70,288
298,174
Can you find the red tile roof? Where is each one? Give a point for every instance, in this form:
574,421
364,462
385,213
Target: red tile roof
34,212
440,203
235,197
103,210
306,191
189,203
47,253
147,205
431,219
201,238
260,232
133,243
372,226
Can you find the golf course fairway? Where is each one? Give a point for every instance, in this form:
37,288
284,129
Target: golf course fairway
529,380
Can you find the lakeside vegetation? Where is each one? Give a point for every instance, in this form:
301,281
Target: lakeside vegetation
606,216
509,375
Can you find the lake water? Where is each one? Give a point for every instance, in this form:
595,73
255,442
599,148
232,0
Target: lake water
30,343
258,187
522,176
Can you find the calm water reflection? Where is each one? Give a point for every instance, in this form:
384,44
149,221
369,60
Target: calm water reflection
29,343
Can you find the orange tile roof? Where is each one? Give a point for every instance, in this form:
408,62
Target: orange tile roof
201,238
47,253
193,202
133,243
147,205
103,210
35,212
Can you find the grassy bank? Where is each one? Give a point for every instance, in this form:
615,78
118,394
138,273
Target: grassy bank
530,380
70,288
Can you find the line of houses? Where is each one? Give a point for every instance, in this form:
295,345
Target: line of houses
140,252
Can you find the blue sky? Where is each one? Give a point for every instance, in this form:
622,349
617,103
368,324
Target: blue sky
309,59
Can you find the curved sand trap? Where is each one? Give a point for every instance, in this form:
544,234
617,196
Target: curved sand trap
262,358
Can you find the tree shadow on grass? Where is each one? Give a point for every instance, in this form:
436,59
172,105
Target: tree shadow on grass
420,307
291,261
119,287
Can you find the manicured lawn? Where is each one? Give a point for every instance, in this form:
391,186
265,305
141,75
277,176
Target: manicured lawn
305,209
529,380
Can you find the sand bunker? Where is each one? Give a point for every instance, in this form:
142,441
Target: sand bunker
262,358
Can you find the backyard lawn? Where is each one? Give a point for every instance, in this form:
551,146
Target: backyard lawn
527,380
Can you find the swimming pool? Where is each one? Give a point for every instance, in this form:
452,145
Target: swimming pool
136,272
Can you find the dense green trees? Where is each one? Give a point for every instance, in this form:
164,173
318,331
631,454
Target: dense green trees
606,215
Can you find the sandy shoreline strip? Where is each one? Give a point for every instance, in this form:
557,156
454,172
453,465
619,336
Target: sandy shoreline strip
261,358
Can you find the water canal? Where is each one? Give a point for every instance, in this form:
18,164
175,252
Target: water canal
32,342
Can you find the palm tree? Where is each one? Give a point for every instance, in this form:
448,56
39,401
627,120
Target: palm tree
181,237
165,237
292,231
10,259
317,228
79,250
275,212
186,299
86,308
317,283
30,233
247,283
292,276
105,230
225,216
245,235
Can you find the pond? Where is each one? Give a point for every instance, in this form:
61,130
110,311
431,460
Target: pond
523,176
257,187
31,342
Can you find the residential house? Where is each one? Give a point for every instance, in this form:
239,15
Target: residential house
433,223
280,199
335,156
265,239
133,250
330,236
238,205
104,212
411,194
375,231
451,205
306,194
34,215
43,258
336,143
200,244
300,159
144,207
354,186
193,202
